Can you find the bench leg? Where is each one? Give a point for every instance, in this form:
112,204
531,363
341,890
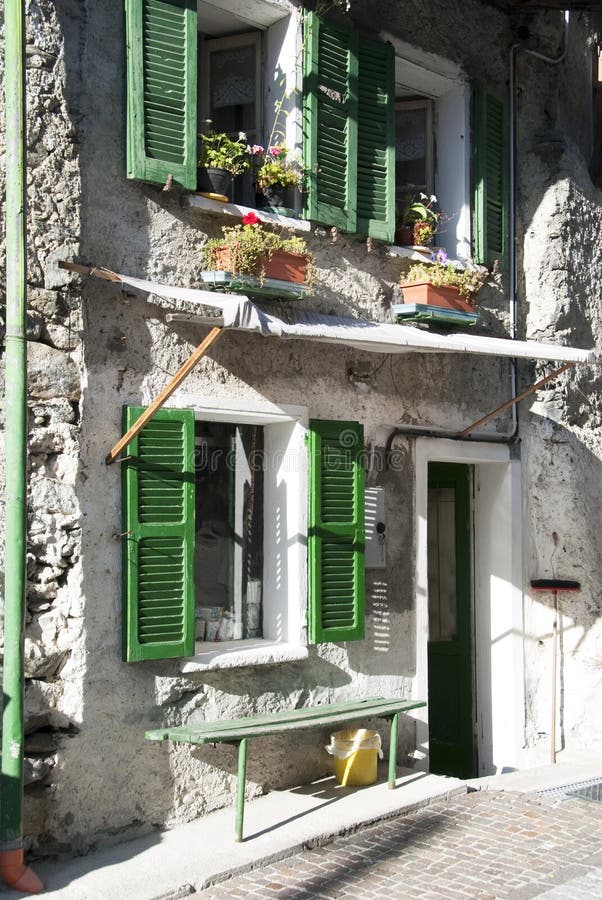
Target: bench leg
240,791
393,751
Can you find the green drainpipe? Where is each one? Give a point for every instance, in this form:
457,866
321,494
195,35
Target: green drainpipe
12,869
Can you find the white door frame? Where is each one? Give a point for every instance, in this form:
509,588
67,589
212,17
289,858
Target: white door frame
498,625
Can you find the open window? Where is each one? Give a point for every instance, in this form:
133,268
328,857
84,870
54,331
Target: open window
191,60
247,65
432,143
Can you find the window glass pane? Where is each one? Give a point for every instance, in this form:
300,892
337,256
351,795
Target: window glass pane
228,561
443,623
232,93
411,148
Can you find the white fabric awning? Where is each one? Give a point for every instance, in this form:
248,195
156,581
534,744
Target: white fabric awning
238,312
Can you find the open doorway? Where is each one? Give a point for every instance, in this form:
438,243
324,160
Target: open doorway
450,643
497,696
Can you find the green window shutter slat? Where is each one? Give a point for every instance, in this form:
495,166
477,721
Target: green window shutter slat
491,200
158,521
376,140
161,38
336,539
330,122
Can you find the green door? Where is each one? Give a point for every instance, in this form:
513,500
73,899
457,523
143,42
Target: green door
450,705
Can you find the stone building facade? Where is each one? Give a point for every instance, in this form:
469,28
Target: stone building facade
94,348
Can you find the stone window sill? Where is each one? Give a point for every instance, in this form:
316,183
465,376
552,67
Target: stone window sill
236,654
216,208
420,254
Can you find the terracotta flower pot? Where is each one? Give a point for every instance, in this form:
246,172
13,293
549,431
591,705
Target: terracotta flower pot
426,294
280,265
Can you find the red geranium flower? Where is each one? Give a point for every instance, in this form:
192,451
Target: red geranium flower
251,219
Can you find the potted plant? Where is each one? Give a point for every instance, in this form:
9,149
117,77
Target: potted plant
418,222
257,253
438,283
221,159
278,175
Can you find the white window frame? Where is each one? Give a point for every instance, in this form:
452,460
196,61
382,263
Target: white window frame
284,534
427,75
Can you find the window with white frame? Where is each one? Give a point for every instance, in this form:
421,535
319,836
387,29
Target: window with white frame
243,531
432,143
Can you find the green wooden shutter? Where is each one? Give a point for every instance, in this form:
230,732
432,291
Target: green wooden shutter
330,122
161,90
491,154
158,521
376,140
336,539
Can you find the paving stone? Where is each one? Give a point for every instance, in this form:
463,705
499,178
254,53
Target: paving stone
486,846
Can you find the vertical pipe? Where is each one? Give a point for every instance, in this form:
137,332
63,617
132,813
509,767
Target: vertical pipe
11,781
554,679
12,869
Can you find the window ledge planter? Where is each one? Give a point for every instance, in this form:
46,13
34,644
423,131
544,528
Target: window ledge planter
424,293
280,264
250,258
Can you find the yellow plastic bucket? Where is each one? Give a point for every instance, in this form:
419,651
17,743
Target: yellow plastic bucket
355,753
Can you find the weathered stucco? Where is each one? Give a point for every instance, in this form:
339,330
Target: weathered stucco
91,775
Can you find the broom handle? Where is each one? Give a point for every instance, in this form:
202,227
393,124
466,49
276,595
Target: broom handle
554,678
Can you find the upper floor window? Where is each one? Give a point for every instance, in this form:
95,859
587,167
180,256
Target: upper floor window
368,115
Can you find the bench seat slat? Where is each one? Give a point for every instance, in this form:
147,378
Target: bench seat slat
234,730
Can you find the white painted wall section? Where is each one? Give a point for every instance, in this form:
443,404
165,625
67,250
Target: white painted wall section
498,619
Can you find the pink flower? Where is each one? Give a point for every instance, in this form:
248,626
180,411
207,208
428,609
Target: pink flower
255,150
251,219
275,151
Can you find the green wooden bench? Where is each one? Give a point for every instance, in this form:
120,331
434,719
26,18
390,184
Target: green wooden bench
238,731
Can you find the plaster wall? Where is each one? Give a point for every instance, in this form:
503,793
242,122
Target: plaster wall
95,347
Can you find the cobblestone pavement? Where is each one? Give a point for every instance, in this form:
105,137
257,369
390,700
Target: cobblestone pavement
483,845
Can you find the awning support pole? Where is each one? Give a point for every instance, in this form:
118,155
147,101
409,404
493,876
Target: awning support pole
517,399
158,402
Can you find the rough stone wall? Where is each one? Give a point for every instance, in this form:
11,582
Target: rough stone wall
94,348
53,659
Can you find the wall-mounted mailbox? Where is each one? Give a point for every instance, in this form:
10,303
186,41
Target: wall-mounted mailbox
375,528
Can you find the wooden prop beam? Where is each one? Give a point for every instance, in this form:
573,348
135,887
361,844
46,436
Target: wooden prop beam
517,399
97,271
158,402
167,391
